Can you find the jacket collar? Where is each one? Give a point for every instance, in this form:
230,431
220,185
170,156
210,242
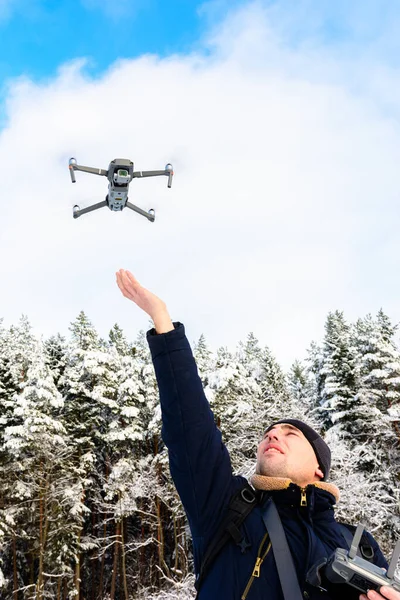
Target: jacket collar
272,484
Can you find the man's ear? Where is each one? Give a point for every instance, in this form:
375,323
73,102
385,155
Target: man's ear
319,473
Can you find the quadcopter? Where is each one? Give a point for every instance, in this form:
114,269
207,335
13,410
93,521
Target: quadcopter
119,174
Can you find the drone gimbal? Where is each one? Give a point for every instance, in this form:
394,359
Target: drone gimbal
119,174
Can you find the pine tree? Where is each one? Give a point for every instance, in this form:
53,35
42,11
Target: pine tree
38,482
250,356
301,386
338,375
379,387
17,347
202,356
56,355
118,340
84,335
273,379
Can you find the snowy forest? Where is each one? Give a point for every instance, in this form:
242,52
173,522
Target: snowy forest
88,510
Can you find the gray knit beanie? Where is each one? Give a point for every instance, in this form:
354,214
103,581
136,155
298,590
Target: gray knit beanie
321,449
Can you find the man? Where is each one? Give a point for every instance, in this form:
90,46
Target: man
292,465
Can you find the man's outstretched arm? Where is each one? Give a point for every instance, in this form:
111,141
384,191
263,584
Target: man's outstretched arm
199,462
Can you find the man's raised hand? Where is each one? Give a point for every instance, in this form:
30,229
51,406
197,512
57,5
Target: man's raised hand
146,300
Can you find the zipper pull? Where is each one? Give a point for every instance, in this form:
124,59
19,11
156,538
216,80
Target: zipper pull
256,570
303,497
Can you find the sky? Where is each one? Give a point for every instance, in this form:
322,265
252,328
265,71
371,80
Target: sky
282,122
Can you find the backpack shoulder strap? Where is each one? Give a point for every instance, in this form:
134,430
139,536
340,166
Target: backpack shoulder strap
240,506
365,550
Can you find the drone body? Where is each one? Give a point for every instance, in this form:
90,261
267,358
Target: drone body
119,174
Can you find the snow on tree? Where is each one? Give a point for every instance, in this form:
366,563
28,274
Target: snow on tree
371,419
338,375
273,379
118,340
232,394
38,482
183,590
84,335
202,356
56,355
350,375
385,371
250,356
367,496
247,391
17,346
150,410
88,384
125,428
9,386
300,384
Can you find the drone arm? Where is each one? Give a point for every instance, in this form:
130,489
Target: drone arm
148,173
142,212
82,211
73,166
167,171
91,170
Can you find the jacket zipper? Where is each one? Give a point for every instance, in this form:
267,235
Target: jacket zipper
257,566
303,501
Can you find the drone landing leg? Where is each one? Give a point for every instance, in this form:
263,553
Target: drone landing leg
82,211
149,216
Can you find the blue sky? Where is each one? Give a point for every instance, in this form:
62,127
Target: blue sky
282,121
37,36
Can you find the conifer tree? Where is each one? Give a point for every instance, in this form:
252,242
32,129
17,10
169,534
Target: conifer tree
202,356
301,386
119,341
272,376
38,482
56,355
338,373
17,347
378,388
250,356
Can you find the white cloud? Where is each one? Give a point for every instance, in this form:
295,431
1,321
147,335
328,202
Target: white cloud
285,202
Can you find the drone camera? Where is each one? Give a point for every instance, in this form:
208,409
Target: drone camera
121,177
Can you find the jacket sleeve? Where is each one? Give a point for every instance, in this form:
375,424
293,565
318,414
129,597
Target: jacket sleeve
199,462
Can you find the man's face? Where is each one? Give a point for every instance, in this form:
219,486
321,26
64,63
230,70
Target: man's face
293,458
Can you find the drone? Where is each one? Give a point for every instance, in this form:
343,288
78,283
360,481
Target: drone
119,174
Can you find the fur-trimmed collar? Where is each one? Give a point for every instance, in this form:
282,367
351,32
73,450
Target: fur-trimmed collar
262,482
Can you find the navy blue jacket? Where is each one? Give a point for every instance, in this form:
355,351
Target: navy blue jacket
201,470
